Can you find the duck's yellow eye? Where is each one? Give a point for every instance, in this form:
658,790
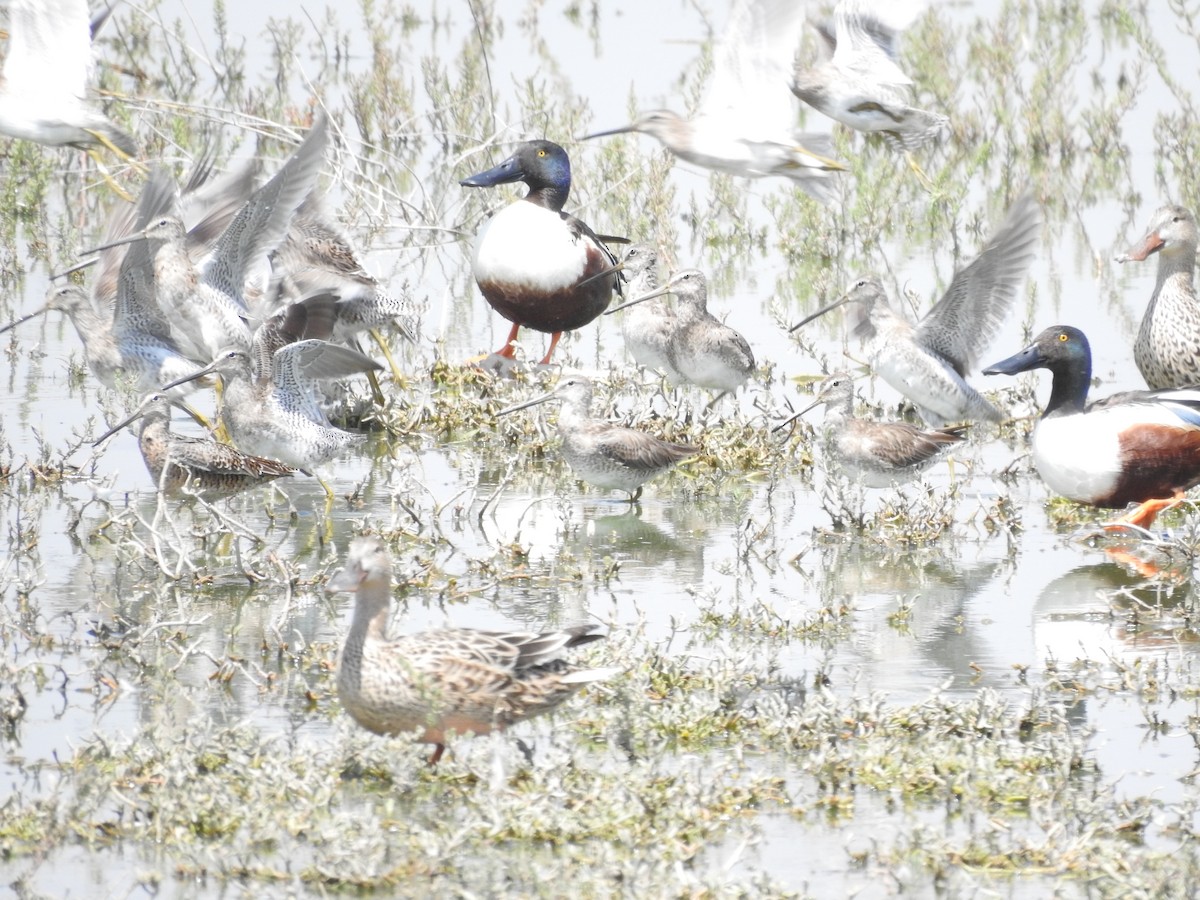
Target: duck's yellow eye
541,153
1064,337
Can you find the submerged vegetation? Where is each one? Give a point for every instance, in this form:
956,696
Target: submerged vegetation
953,687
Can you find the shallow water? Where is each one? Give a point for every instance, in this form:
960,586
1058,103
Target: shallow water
490,533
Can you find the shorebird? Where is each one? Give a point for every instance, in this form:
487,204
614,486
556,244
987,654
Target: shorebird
534,264
879,454
702,350
45,76
746,122
646,327
1135,447
861,85
928,362
449,681
276,413
601,453
177,461
1167,349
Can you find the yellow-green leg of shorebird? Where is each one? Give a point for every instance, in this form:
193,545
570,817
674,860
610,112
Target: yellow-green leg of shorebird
387,353
104,173
925,180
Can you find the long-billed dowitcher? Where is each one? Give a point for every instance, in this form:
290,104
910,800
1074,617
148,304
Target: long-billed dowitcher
450,681
45,75
860,83
702,349
647,327
177,461
746,122
534,264
277,413
601,453
928,362
1167,349
1135,447
879,454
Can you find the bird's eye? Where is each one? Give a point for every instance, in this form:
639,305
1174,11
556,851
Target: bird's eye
541,153
1063,337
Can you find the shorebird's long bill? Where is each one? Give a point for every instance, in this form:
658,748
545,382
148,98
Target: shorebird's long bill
132,417
536,401
1151,243
611,270
119,242
207,370
788,421
628,303
11,325
820,312
624,129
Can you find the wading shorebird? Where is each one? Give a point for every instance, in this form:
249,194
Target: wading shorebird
534,264
1135,447
646,327
861,85
601,453
450,681
1167,349
746,122
879,454
177,461
928,362
702,349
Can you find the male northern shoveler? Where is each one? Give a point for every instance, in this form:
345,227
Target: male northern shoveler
861,85
536,265
879,454
746,122
928,362
455,680
1167,350
1135,447
601,453
177,461
702,349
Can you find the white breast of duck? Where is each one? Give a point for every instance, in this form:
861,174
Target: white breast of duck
529,246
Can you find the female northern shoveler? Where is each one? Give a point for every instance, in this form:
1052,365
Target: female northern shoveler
1167,350
928,362
536,265
603,454
454,680
861,85
1135,447
176,461
702,349
746,122
879,454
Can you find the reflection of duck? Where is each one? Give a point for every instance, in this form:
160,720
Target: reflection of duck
1084,614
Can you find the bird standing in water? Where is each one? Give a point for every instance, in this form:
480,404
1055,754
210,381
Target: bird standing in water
1135,447
454,680
1167,349
928,362
534,264
601,453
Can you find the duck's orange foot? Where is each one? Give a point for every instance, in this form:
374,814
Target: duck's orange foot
1145,514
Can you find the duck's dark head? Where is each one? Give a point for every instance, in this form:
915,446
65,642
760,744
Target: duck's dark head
543,165
1066,353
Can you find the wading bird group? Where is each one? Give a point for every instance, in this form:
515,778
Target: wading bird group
254,287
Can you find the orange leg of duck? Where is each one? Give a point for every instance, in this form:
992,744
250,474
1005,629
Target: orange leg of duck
1145,514
553,343
509,347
